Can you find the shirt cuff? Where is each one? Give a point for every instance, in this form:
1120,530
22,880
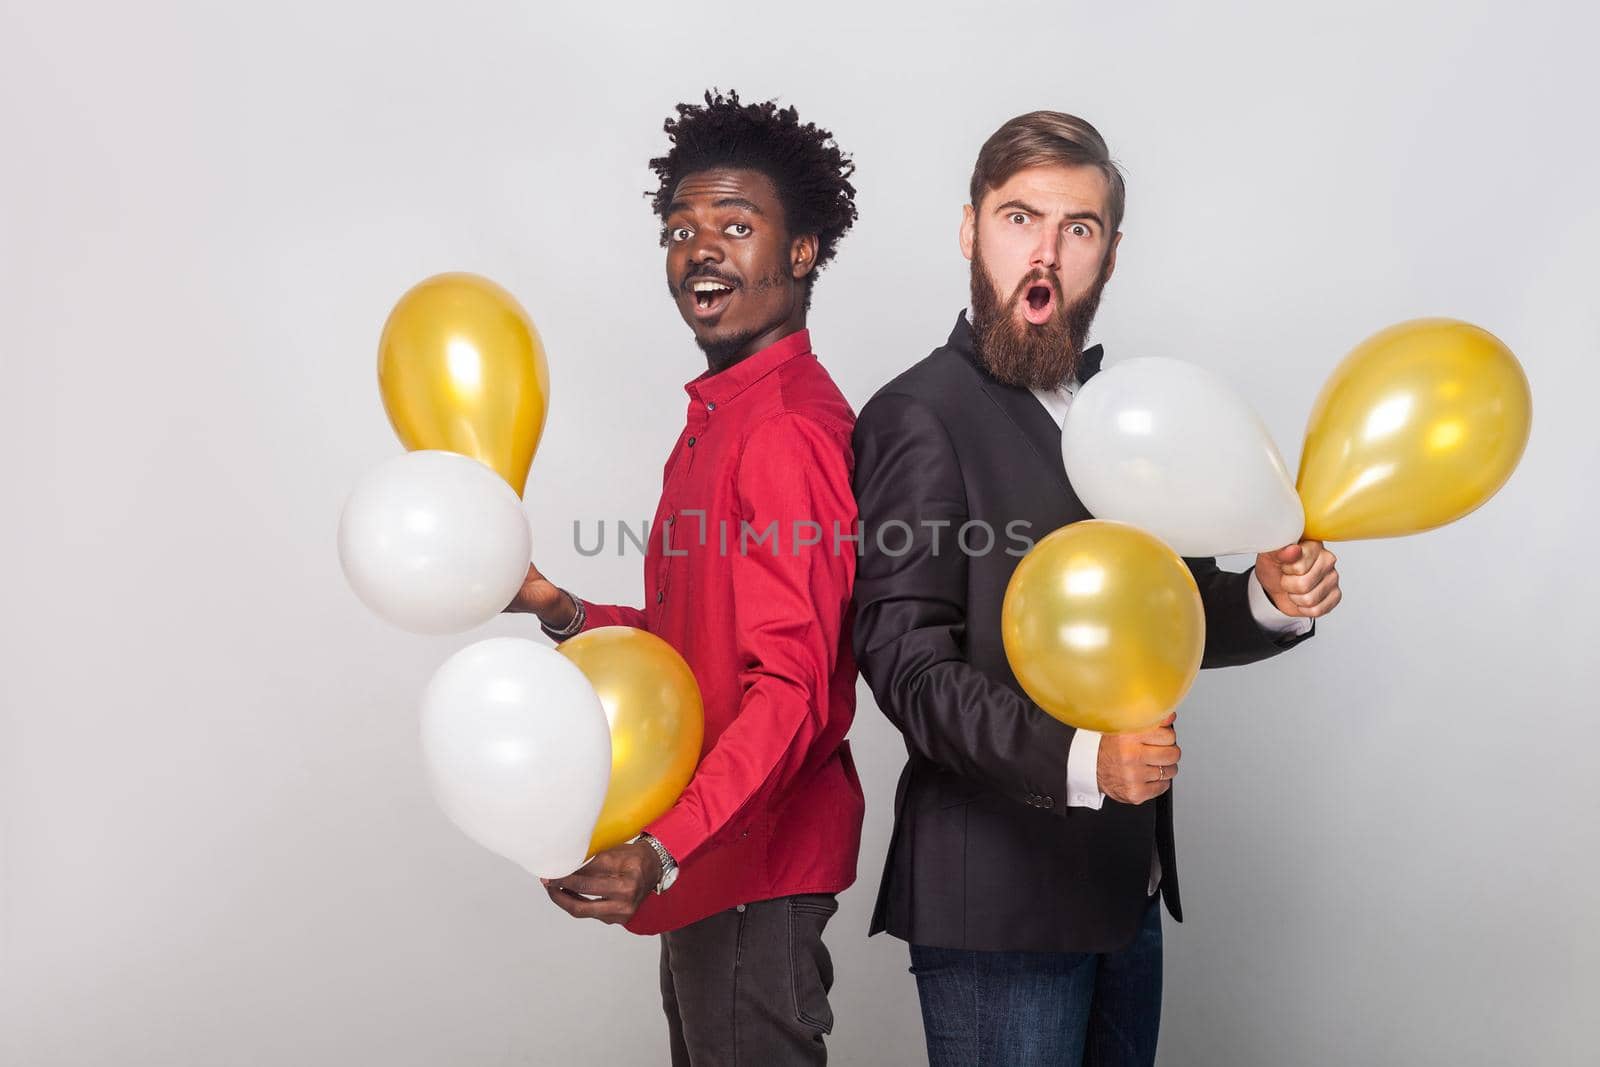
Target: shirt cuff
1267,615
1083,775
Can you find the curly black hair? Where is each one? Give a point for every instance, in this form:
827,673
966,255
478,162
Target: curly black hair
810,172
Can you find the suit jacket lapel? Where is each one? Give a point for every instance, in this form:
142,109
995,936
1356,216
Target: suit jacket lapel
1038,429
1020,406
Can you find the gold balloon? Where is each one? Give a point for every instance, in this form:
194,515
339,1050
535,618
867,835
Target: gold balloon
1418,426
1103,626
657,723
461,368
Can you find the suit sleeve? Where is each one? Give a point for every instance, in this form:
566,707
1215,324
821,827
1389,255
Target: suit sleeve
791,593
1233,636
911,614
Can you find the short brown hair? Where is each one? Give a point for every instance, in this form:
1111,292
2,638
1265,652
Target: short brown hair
1044,138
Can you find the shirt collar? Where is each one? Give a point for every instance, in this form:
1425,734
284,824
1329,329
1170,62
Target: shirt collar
721,386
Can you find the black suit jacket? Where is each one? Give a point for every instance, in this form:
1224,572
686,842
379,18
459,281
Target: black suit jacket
986,853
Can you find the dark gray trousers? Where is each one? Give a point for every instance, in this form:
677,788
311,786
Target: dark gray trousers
748,987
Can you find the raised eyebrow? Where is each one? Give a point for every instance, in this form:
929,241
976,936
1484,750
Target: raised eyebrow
1017,205
724,201
737,201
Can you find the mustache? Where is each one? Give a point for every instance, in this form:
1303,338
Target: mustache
1039,276
695,274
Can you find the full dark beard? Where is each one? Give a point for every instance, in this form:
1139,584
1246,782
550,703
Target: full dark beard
1022,354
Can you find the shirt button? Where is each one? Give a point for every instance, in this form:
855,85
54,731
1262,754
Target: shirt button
738,907
661,594
691,442
711,405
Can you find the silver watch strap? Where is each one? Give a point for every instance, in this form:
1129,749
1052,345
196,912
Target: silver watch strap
668,864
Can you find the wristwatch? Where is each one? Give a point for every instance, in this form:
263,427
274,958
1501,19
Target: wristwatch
669,866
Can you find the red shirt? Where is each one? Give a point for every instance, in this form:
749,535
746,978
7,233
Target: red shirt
748,574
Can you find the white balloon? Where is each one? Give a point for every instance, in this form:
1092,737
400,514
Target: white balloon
518,751
1168,446
434,542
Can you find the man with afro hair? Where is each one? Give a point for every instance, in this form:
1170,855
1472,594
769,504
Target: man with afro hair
748,574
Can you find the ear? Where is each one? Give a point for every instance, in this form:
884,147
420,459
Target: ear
803,255
969,229
1111,254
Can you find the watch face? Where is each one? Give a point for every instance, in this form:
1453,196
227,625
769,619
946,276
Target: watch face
667,879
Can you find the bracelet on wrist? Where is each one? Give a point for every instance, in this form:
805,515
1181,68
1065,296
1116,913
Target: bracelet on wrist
579,616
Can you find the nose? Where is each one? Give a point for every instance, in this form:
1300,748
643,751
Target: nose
705,247
1046,252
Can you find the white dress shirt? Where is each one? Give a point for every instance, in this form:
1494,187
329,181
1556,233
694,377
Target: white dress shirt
1083,779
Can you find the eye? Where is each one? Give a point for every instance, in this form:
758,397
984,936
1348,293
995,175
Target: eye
737,229
1018,218
679,233
1078,229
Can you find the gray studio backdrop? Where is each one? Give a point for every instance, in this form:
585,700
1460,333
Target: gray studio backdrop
218,844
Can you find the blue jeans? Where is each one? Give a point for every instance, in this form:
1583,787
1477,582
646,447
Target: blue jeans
1032,1009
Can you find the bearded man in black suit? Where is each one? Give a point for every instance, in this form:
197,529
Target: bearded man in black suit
1028,858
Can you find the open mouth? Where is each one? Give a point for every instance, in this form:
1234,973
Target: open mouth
1038,303
711,295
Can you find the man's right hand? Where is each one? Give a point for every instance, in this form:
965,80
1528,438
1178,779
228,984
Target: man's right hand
539,596
1137,767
